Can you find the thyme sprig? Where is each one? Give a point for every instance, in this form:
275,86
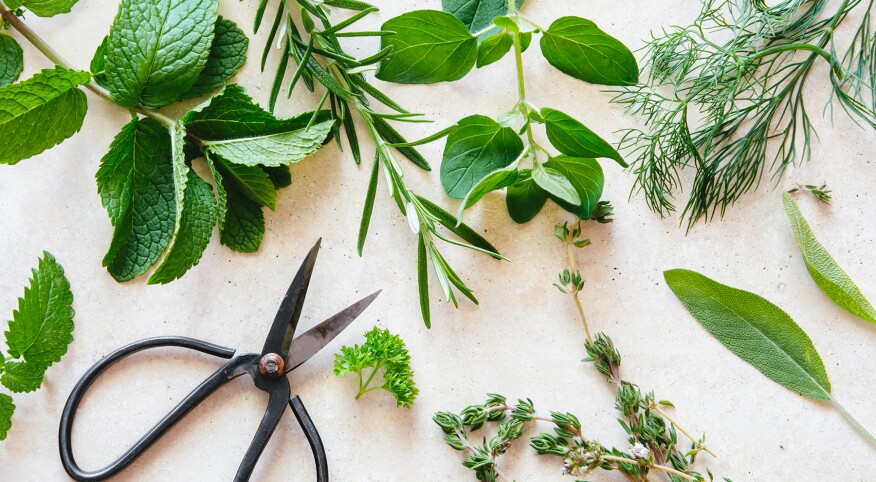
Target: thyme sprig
726,97
319,58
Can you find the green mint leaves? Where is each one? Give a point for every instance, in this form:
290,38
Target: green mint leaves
828,275
43,8
382,354
40,112
38,335
11,60
157,49
579,48
227,55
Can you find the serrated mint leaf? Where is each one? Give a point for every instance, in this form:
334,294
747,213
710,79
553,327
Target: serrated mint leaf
556,184
585,175
579,48
43,8
227,55
252,181
280,176
97,67
477,15
493,48
755,330
6,410
20,377
244,223
272,149
477,147
42,326
40,112
157,49
525,198
136,186
196,227
428,46
828,275
221,194
574,139
11,60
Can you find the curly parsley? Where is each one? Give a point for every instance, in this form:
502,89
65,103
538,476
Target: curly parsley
381,350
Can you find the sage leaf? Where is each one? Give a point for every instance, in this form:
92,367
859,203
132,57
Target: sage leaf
828,275
157,49
7,408
493,181
754,329
22,377
136,186
556,185
272,149
227,55
42,326
477,15
585,175
579,48
477,147
493,48
573,138
428,46
43,8
40,112
524,199
11,60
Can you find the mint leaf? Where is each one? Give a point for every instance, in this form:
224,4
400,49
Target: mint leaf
428,46
42,326
11,60
477,147
524,198
828,275
43,8
136,186
227,55
244,223
585,175
97,67
280,176
477,15
579,48
221,194
272,149
755,330
40,112
196,227
574,139
157,49
493,48
6,410
21,377
381,350
252,181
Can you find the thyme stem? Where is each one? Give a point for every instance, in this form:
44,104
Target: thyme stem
663,414
664,468
56,58
572,268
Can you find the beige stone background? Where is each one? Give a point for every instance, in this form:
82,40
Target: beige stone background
524,340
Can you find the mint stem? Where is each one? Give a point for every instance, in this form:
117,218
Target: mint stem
56,58
853,421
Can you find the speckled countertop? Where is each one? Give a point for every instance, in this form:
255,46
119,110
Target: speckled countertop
524,340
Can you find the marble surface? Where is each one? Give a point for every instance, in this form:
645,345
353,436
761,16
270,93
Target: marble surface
524,340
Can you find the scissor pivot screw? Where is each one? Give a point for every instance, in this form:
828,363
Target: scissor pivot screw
271,365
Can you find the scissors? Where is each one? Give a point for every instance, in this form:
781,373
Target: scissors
280,355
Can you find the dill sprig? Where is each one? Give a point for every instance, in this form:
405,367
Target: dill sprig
725,97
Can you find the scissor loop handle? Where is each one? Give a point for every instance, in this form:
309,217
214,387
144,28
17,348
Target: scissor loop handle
312,436
230,370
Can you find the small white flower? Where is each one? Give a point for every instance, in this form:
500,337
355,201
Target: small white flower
639,451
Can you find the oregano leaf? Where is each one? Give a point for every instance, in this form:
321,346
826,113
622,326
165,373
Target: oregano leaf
498,179
586,177
573,138
11,60
493,48
477,15
556,184
524,199
477,147
828,275
579,48
40,112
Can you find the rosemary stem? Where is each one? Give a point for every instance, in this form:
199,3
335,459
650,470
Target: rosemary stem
664,468
853,421
56,58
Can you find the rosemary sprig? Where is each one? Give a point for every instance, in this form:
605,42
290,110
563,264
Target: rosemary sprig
726,96
318,57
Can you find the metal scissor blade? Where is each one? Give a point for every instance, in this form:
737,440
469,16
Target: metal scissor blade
314,339
283,328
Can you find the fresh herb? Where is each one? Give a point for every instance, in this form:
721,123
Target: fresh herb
385,354
760,333
163,212
726,97
311,49
653,435
37,336
827,274
822,193
484,155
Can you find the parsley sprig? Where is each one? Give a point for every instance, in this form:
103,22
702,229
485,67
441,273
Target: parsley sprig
381,351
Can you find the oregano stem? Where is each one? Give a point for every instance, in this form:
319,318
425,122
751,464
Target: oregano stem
853,421
56,58
521,81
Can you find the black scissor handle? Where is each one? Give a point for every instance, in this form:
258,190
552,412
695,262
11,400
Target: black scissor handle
312,436
228,371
